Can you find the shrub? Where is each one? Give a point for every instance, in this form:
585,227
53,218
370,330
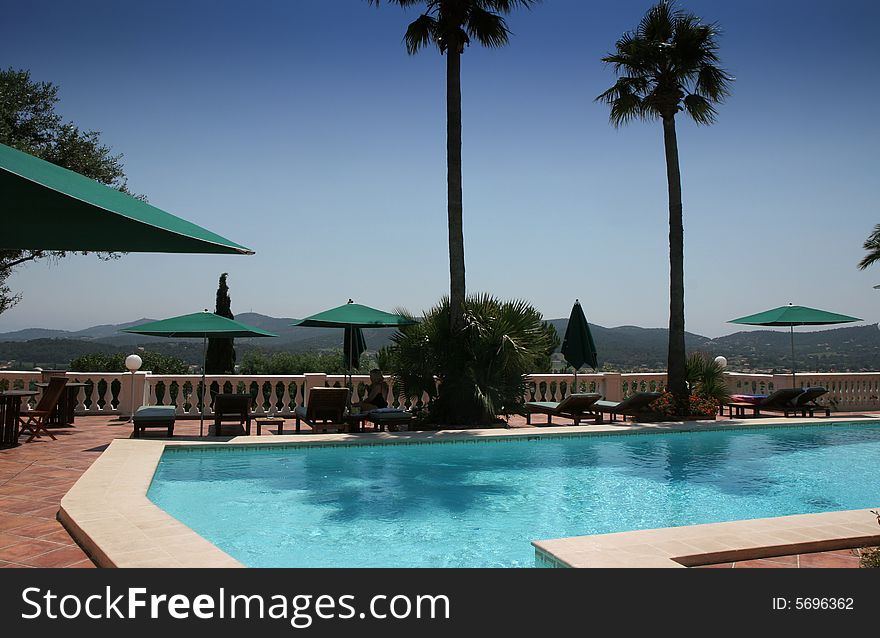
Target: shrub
665,406
259,362
481,368
115,362
871,557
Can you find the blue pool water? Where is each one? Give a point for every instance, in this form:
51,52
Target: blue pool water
479,504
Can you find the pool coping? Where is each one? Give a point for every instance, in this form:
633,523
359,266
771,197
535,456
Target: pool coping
108,513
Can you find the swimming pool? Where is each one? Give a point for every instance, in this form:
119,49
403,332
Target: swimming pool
480,503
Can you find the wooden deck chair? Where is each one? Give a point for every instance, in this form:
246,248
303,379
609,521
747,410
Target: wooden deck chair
325,408
35,420
574,407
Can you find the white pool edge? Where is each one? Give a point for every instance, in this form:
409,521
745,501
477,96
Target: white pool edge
108,513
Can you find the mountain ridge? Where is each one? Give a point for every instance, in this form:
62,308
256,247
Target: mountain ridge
621,347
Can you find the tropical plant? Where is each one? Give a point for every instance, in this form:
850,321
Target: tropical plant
450,25
668,64
872,245
705,378
485,375
220,357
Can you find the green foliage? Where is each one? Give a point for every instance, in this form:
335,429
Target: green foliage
115,362
259,362
668,64
872,246
870,558
444,23
30,123
220,357
481,368
666,406
705,378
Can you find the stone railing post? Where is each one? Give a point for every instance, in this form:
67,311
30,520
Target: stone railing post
313,380
132,392
613,386
781,381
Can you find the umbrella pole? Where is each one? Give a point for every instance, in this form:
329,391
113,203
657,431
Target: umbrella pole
791,334
204,389
575,382
350,363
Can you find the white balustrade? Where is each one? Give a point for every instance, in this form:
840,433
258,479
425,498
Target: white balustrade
114,393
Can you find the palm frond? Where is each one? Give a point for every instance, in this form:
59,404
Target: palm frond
505,6
400,3
713,83
420,33
700,109
490,29
872,245
666,65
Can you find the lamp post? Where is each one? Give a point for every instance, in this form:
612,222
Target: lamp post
133,363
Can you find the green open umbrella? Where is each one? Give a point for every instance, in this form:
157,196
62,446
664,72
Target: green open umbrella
46,207
353,316
198,325
792,316
578,346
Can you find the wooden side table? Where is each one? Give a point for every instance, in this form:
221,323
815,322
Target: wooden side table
269,421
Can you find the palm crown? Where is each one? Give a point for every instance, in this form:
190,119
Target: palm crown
668,64
872,245
457,21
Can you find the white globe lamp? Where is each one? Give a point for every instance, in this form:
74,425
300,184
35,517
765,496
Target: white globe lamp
721,361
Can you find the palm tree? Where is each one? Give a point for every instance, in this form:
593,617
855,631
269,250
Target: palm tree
667,65
450,25
872,245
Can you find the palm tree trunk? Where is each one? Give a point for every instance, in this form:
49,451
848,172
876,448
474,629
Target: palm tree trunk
453,182
676,357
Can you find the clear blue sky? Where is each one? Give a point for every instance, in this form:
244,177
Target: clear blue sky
304,131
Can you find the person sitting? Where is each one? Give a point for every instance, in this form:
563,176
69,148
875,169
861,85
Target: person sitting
376,393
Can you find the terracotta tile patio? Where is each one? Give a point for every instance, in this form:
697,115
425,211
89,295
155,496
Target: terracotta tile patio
34,476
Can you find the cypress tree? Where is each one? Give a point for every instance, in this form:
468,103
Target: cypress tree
221,351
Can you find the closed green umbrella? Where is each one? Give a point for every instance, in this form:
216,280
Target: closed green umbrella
353,346
792,316
46,207
198,325
578,346
353,316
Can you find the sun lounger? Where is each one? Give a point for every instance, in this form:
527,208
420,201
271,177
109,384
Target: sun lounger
634,406
232,407
806,402
325,409
154,416
780,401
392,418
35,420
574,406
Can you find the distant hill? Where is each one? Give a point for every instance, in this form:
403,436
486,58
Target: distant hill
620,348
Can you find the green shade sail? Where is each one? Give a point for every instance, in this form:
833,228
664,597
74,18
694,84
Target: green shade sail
578,346
355,315
794,316
198,325
46,207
